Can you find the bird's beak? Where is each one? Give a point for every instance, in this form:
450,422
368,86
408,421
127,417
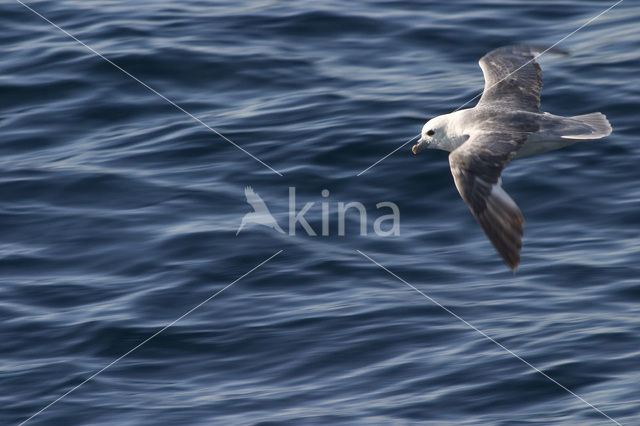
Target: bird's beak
418,147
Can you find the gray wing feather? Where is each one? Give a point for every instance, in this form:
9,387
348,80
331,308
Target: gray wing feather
476,167
512,77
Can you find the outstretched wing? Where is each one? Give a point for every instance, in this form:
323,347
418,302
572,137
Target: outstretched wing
256,202
476,167
513,77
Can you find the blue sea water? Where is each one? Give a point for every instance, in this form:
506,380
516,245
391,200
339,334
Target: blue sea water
119,214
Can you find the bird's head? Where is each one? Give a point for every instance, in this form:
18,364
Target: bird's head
431,133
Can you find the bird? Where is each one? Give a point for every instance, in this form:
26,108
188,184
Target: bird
505,123
261,214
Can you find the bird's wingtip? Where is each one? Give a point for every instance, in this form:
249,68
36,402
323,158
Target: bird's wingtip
513,262
552,49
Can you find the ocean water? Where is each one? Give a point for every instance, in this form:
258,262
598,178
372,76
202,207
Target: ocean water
119,214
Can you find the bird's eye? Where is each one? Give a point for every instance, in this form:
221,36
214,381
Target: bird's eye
430,133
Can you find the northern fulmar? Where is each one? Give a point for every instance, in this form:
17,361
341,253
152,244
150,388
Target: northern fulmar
505,123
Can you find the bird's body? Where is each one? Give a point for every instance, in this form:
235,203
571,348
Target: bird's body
506,123
553,131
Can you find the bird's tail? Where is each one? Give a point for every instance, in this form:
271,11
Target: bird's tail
594,126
